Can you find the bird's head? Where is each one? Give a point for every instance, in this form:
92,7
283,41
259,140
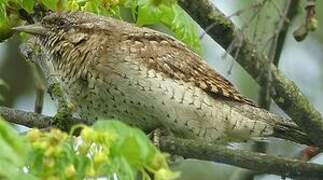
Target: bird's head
59,31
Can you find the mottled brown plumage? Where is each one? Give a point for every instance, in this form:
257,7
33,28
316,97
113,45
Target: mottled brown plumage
112,69
188,66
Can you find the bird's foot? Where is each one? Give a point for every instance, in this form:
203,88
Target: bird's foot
155,135
65,107
60,119
174,158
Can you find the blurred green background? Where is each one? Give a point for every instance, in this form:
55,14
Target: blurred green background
300,61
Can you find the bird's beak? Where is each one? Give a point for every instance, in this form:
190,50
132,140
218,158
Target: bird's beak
35,29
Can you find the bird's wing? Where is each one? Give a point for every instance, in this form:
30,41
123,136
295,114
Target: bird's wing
164,53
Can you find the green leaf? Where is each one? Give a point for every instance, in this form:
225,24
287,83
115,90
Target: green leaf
6,25
154,16
168,13
73,5
13,151
13,147
184,28
27,5
50,4
123,169
131,143
135,149
3,13
113,126
102,7
91,6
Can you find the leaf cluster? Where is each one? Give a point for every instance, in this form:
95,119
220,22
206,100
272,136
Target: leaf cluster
107,149
143,12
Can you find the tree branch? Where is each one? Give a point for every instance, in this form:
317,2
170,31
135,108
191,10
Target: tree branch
194,149
245,159
286,94
31,119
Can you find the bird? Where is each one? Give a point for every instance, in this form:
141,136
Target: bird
112,69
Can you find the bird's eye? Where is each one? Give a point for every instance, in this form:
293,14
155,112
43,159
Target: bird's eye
61,22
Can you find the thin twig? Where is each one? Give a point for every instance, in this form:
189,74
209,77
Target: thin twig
255,5
277,42
40,88
290,13
236,44
310,23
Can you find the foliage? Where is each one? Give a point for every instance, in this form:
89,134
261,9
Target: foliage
12,153
107,149
144,12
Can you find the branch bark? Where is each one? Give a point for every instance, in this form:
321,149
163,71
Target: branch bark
31,119
286,94
195,149
245,159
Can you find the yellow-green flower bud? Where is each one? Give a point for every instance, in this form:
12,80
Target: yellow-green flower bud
84,148
100,158
312,24
159,161
39,145
69,171
88,135
90,172
49,162
166,174
33,135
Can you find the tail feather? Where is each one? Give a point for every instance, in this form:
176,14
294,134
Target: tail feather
291,132
283,128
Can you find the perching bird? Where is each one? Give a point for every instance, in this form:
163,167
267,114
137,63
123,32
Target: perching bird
112,69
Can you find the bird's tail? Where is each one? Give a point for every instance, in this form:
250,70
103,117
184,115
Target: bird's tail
291,132
283,128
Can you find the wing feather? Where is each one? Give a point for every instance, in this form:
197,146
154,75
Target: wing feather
166,54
